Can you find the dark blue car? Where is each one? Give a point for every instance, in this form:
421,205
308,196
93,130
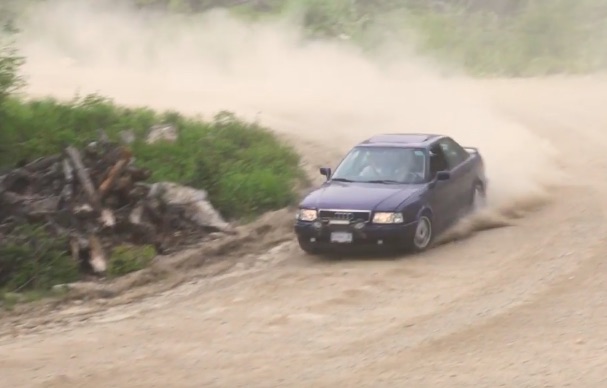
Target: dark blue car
392,191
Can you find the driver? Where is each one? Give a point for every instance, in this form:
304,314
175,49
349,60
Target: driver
378,167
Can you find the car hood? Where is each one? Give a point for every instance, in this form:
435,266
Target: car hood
359,196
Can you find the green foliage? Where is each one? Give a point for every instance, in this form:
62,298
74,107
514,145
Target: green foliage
10,62
32,259
223,157
209,155
128,258
543,37
330,18
484,37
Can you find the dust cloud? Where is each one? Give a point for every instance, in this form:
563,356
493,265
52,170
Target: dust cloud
324,91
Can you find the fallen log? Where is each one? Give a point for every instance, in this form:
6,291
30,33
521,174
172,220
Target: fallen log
83,177
68,175
114,172
41,164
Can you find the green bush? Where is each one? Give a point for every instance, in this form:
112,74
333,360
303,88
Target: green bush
542,37
10,62
128,258
32,259
209,155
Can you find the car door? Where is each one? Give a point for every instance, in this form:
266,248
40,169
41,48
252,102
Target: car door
462,173
440,193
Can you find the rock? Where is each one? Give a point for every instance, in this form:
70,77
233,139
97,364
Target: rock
128,137
160,132
197,207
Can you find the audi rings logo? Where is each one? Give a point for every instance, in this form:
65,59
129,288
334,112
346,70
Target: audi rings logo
342,216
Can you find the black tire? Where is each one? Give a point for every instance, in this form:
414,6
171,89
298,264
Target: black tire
307,247
478,198
423,234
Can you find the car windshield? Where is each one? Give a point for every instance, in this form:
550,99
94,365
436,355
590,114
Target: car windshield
382,165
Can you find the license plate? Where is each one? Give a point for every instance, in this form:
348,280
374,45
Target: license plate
341,237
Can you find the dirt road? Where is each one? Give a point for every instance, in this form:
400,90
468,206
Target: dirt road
519,306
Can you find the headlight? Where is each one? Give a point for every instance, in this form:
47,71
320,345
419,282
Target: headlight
387,218
306,214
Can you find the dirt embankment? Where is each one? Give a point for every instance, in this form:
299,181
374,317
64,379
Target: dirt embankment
516,306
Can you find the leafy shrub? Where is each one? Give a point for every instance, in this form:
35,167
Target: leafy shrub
10,62
126,259
32,259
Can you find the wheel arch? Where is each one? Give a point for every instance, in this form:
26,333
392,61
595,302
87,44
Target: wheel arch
425,210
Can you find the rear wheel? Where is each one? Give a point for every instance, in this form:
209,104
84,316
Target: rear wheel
422,237
479,198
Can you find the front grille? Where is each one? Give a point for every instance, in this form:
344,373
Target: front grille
349,216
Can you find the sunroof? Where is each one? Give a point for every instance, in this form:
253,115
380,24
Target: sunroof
399,138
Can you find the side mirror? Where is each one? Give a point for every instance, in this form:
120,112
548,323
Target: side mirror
326,171
443,175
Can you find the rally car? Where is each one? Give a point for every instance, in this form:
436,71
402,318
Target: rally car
392,191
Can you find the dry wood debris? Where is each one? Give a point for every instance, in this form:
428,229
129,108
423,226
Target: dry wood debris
98,197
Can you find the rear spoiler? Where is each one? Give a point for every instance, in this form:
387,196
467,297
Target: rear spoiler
472,150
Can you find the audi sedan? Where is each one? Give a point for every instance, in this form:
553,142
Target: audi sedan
392,191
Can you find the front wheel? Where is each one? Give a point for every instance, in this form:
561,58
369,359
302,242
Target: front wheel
307,246
422,237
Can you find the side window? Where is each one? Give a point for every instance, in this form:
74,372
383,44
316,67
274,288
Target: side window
438,161
454,153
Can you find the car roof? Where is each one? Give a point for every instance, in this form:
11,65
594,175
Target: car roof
408,140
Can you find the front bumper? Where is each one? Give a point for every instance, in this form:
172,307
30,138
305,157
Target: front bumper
317,234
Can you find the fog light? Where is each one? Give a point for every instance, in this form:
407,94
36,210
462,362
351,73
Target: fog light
317,225
313,239
360,225
380,242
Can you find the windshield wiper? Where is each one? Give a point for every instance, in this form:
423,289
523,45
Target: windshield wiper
383,181
341,180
